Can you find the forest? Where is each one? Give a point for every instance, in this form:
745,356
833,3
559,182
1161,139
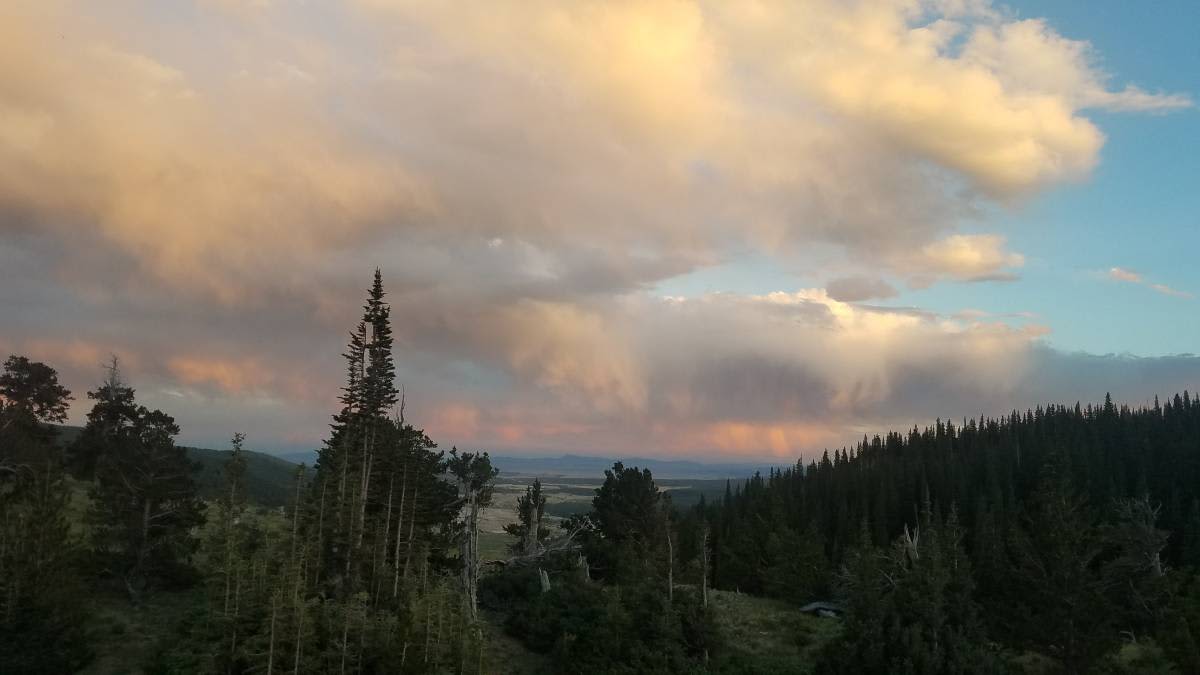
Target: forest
1061,539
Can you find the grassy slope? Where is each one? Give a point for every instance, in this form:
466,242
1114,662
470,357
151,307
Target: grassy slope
761,635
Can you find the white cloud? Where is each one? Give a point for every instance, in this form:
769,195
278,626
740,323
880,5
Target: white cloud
1129,276
963,257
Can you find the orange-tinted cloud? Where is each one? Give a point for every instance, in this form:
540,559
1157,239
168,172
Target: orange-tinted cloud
231,376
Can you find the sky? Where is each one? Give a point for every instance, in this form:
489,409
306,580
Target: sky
698,229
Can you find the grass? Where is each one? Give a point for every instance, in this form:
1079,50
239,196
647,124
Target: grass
762,635
504,654
123,637
494,545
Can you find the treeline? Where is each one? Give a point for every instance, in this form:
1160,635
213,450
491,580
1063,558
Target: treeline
1061,534
371,568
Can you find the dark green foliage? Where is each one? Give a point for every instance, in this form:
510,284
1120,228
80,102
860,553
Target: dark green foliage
631,622
910,609
794,566
31,397
1065,611
358,574
110,417
1180,635
40,617
628,522
528,531
1189,554
144,503
1073,519
590,627
268,479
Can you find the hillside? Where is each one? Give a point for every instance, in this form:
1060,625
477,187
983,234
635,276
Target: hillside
269,479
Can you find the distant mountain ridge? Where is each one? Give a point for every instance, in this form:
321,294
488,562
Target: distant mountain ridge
269,477
590,466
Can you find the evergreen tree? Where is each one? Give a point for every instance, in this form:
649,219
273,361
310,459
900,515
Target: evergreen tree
1190,545
40,617
528,532
1063,601
911,610
107,423
629,518
475,476
144,502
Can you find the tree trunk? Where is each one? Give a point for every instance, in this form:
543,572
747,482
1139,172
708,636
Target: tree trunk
365,489
387,519
237,600
299,634
704,568
296,511
428,626
470,549
479,669
670,569
399,531
271,639
320,533
437,645
345,638
412,520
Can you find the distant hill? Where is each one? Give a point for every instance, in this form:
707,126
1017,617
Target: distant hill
585,466
269,479
306,457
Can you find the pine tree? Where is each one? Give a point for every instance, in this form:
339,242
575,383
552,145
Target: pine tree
144,502
108,421
1190,554
1059,569
40,618
528,531
629,517
475,476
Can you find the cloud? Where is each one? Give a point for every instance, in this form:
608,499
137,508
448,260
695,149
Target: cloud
963,257
580,128
856,289
1167,290
1122,274
205,196
1032,59
1129,276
